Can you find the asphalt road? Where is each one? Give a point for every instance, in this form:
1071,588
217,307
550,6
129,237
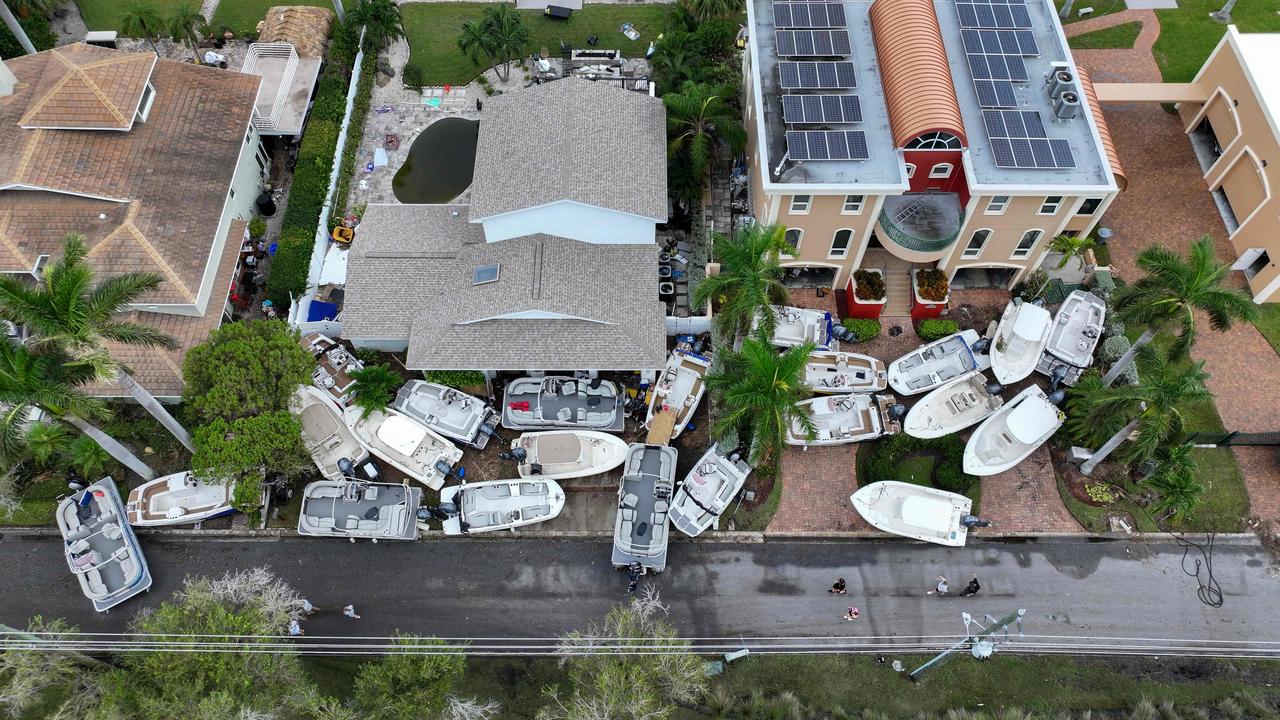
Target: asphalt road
538,588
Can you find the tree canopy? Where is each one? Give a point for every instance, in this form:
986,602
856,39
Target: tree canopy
408,687
267,443
245,369
758,389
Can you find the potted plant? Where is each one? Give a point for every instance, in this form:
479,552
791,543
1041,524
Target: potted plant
930,293
866,293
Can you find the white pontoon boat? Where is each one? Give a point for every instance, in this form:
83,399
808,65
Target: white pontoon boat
914,511
100,547
532,403
354,509
644,497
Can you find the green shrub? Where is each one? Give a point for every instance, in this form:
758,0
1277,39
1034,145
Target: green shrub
38,31
936,329
1113,327
947,470
257,227
1128,376
290,265
331,99
1032,286
864,328
950,476
1102,285
355,133
412,76
454,378
246,496
868,285
1113,348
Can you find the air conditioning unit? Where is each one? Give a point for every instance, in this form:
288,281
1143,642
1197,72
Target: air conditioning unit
1067,105
1061,78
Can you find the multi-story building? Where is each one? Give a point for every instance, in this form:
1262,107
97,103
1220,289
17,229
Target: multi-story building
956,134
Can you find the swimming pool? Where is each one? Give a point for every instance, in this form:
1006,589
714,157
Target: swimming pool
440,163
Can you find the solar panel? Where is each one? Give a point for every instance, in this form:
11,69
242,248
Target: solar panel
821,109
812,75
812,43
993,14
808,15
995,93
826,145
1018,140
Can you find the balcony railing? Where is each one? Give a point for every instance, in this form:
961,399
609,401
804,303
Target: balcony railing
923,222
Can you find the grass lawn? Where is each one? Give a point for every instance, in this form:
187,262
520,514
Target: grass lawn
915,470
243,16
433,28
758,518
1268,323
1100,8
1114,37
38,504
1188,35
106,14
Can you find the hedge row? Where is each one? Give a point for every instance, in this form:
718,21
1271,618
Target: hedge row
355,132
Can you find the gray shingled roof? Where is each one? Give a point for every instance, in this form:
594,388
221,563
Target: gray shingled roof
572,139
409,276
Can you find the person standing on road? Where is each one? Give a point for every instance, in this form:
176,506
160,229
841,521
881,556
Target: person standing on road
940,589
350,611
837,587
295,629
307,608
972,588
852,613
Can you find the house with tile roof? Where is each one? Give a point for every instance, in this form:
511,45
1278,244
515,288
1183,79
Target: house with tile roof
553,264
155,162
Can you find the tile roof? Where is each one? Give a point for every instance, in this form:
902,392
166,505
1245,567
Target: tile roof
1104,130
306,28
571,139
606,296
169,175
914,70
82,86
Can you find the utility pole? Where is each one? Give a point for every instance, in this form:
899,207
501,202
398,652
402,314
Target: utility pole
981,646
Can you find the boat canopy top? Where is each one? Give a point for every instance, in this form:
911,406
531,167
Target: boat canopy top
926,512
1033,417
1031,322
401,434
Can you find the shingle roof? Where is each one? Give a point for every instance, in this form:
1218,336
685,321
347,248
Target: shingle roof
82,86
571,139
170,174
606,295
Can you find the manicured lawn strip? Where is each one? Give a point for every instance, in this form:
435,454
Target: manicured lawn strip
1100,8
106,14
243,16
1094,519
432,30
1114,37
1268,323
1188,35
1224,507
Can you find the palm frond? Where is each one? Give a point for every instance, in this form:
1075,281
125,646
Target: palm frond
131,333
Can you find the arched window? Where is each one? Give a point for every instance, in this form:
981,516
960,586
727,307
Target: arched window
792,236
840,244
941,170
934,141
1028,241
976,243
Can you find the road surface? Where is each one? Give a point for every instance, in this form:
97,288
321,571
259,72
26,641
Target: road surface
483,588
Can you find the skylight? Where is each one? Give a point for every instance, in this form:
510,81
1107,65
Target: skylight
484,274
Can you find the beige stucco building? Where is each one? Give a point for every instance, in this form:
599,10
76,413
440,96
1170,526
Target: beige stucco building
920,169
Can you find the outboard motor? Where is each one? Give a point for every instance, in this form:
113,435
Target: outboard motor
993,388
491,431
443,468
897,411
983,344
517,454
1057,393
346,468
701,344
1038,302
973,521
535,469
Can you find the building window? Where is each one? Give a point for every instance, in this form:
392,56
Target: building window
485,274
840,244
852,205
793,236
144,106
1050,205
997,205
976,243
1089,206
911,171
941,170
800,204
934,141
1028,241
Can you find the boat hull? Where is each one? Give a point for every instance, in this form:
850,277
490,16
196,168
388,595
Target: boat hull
845,419
421,464
711,484
950,408
325,432
952,356
215,499
920,513
837,373
569,453
543,503
1020,340
680,389
995,446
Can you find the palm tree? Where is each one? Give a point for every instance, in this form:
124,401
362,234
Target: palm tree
1171,292
51,382
705,10
1175,480
47,442
677,60
381,20
750,279
1152,408
476,43
758,390
142,20
87,457
69,312
508,35
1072,246
184,22
699,119
373,387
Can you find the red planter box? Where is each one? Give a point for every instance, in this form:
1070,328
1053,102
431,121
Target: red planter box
865,309
922,309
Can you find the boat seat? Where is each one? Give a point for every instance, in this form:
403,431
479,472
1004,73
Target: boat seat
107,515
626,528
582,414
327,492
324,523
496,492
371,493
368,525
658,534
564,414
598,417
569,388
536,511
351,523
629,500
175,512
533,489
628,514
688,400
92,581
332,441
127,564
78,546
660,506
483,519
947,373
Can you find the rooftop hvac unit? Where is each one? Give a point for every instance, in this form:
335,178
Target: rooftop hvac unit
1066,106
1061,78
101,38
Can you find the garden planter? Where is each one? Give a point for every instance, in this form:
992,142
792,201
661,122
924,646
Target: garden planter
922,309
865,309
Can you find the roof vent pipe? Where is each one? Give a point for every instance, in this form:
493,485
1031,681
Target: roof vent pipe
1066,106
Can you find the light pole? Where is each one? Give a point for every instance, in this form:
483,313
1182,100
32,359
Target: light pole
981,646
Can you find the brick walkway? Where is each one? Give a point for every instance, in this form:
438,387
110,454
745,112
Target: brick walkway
1026,499
816,485
1167,202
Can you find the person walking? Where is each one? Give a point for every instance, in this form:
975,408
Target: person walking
295,629
972,588
837,587
350,611
852,613
940,589
307,608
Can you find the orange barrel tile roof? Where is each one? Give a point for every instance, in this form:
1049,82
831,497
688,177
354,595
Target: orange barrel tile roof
1104,132
914,70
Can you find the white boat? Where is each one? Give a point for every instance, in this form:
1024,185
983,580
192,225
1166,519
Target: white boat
178,499
501,504
952,407
355,509
1077,328
560,454
679,389
931,365
843,419
795,326
921,513
334,365
407,444
532,403
1012,433
1020,340
324,432
644,497
100,547
833,372
451,413
706,491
